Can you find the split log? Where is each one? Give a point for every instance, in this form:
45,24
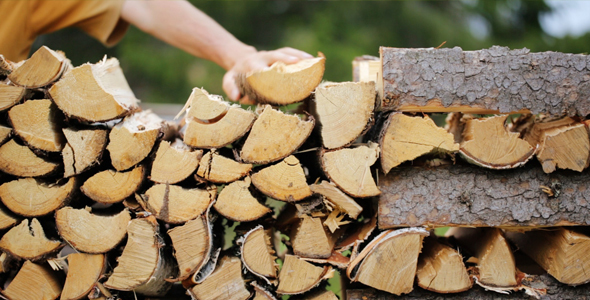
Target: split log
37,123
357,237
174,163
10,95
464,195
487,143
441,268
350,169
90,232
366,68
562,252
33,282
31,197
310,239
212,122
20,161
404,138
261,293
344,111
192,244
275,136
219,169
110,186
83,150
143,266
484,81
236,203
258,254
6,262
44,67
174,204
5,133
283,84
298,276
225,283
95,92
389,261
7,219
28,241
133,139
6,66
493,256
84,271
338,198
284,181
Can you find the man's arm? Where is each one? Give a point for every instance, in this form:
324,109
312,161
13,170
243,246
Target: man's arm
182,25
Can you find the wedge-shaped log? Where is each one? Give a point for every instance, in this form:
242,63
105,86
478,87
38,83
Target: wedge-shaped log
310,239
7,219
322,295
83,150
283,181
404,138
174,204
344,110
562,252
225,283
260,293
441,268
20,161
283,84
389,261
31,197
143,266
174,163
89,232
219,169
192,244
84,271
258,254
10,95
212,122
350,169
275,136
37,123
298,276
28,241
338,198
33,282
495,262
5,133
484,81
110,186
133,139
44,67
236,203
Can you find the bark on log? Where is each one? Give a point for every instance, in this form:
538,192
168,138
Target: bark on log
489,80
463,195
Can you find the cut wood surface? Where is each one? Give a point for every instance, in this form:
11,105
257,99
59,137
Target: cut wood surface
175,204
174,163
28,241
43,68
562,252
192,244
7,219
283,181
274,136
236,203
338,198
405,138
310,239
219,169
485,81
225,283
37,123
350,169
10,95
84,271
298,276
34,282
5,133
110,186
83,150
464,195
212,122
261,293
441,268
258,254
282,84
487,143
344,110
133,139
6,66
90,232
94,92
20,161
366,68
31,197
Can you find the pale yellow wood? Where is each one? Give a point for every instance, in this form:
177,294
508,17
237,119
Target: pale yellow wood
257,253
235,202
37,123
175,204
5,133
219,169
34,282
225,283
260,293
30,197
111,186
28,241
298,276
42,68
321,295
89,232
95,92
20,161
7,219
441,268
274,136
84,270
10,95
83,150
192,244
310,239
283,181
338,198
174,163
368,69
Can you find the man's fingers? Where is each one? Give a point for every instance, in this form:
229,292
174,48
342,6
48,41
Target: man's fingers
295,52
230,87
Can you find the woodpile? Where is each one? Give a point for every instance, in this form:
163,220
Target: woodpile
101,200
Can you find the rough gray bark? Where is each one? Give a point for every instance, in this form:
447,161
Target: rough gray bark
466,195
495,79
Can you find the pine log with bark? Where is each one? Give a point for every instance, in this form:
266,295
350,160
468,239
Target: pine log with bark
44,67
31,197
